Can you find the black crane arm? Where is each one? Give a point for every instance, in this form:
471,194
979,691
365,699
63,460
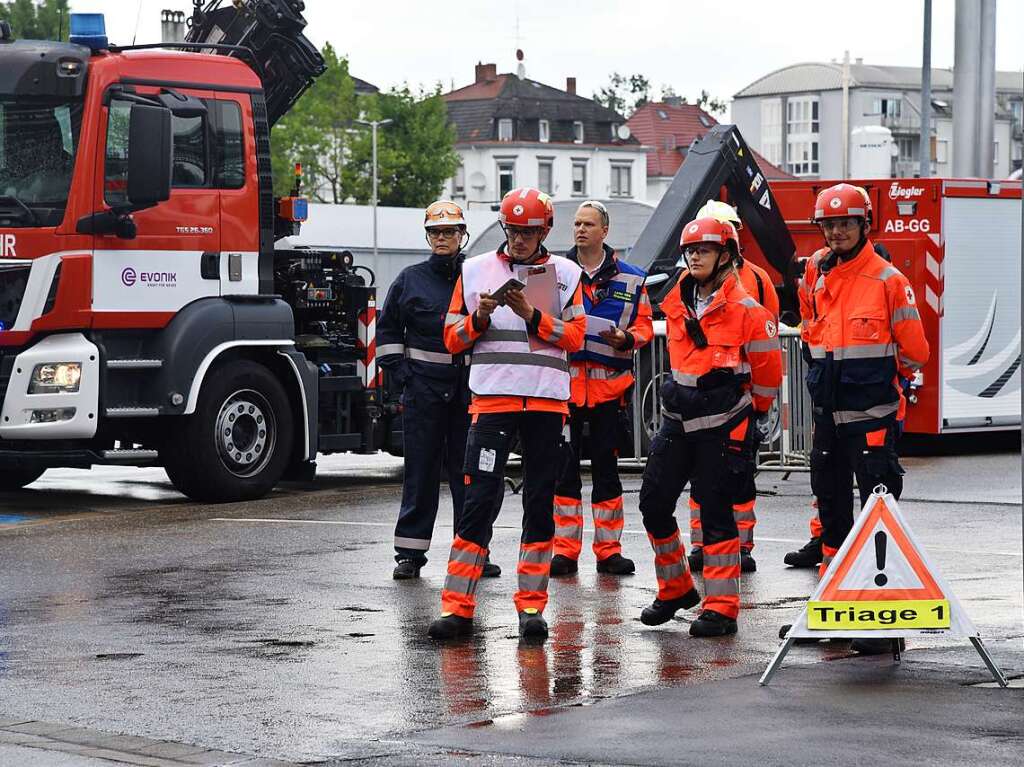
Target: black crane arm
720,158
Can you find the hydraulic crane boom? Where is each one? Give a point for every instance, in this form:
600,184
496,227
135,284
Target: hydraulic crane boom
720,158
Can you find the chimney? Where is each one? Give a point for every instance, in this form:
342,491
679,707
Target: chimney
570,85
858,61
674,101
172,26
486,73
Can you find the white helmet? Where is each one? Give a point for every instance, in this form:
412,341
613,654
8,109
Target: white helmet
722,211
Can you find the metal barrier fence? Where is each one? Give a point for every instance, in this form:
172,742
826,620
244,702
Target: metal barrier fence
789,448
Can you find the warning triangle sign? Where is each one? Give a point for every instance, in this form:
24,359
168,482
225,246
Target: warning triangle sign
881,584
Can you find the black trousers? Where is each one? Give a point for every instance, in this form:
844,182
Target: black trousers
434,432
604,461
701,459
487,448
837,458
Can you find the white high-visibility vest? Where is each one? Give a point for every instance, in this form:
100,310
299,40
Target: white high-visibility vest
506,360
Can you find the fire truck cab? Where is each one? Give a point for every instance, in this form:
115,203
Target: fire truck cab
145,316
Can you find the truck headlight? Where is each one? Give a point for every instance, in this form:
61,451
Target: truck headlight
55,377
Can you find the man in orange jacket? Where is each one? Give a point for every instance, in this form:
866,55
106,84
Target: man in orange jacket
520,309
726,369
602,373
758,284
861,332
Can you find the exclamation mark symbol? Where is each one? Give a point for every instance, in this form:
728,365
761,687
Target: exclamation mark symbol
880,541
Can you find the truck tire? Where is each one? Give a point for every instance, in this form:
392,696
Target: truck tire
238,443
16,479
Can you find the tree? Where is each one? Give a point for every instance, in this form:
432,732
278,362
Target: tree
624,93
37,20
709,104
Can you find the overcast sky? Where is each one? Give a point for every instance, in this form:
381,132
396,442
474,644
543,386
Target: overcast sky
717,46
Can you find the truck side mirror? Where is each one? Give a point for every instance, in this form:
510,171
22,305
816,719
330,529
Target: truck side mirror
150,156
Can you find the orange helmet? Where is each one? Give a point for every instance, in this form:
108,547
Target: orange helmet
710,229
443,213
841,201
527,207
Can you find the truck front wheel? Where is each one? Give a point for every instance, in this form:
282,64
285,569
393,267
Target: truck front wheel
238,443
15,479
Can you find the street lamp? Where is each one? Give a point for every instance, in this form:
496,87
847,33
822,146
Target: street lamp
373,125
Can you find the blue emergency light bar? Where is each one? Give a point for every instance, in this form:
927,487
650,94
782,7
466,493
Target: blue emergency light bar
90,30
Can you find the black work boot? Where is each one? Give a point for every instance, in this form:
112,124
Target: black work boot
532,624
491,570
747,562
407,569
712,624
450,627
808,556
562,565
696,559
616,564
662,611
866,646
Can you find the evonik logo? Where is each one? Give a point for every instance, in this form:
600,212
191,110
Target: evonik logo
130,277
897,192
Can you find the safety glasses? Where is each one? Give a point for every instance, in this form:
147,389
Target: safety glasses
443,232
522,232
838,224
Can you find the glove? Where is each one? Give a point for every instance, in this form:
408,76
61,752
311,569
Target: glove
762,427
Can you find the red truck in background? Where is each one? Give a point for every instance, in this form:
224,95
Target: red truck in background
145,315
958,241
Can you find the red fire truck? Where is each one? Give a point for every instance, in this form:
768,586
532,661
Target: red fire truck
145,315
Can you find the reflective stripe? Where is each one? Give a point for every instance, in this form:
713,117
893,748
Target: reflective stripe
532,582
817,352
668,572
720,419
665,413
668,547
644,300
608,515
746,534
888,272
905,313
463,335
452,318
770,345
417,544
572,311
520,358
495,334
744,516
686,379
459,584
466,557
438,358
907,362
557,330
721,560
386,349
569,532
748,301
763,391
536,556
863,351
604,534
606,374
854,416
720,587
820,282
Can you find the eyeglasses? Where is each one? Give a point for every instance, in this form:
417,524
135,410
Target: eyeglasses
839,224
703,250
523,232
447,232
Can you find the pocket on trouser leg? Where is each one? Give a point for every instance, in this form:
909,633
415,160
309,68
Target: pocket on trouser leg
486,452
821,466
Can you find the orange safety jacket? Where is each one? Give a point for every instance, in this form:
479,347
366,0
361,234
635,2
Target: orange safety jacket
861,330
739,368
758,284
461,332
592,382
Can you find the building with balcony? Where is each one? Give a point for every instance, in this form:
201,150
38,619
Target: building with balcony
512,131
793,117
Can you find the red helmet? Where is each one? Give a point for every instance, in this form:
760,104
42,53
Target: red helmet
709,229
842,201
527,207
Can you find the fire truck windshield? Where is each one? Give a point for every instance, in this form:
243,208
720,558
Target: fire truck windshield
38,139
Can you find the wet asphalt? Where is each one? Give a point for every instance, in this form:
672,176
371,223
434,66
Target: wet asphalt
273,629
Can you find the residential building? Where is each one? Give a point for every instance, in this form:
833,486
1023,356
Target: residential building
513,131
794,117
669,127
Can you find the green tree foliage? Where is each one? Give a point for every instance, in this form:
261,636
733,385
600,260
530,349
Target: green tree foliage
37,20
625,93
415,153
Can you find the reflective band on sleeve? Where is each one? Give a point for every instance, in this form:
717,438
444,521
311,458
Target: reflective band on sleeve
495,334
520,358
763,391
557,330
855,416
888,272
907,362
416,544
463,335
748,301
385,350
423,355
572,311
686,379
451,318
768,345
863,352
905,313
606,374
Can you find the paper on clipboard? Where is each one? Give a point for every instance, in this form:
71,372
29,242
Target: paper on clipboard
598,325
541,286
